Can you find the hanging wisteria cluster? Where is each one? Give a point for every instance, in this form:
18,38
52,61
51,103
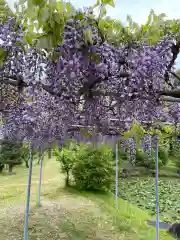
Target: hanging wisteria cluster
174,112
116,83
90,83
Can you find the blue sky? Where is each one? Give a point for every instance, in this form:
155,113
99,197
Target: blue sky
138,9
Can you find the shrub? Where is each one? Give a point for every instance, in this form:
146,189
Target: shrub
94,168
175,152
67,158
176,159
140,157
177,162
122,155
149,162
173,147
163,155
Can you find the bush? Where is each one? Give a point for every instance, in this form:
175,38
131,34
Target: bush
163,155
94,169
173,147
149,162
176,159
67,158
140,157
122,155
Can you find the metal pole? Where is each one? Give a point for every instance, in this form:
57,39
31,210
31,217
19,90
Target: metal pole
116,175
28,194
40,177
157,190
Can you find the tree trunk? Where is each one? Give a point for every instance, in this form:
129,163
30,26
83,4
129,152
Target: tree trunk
26,163
40,177
67,179
1,167
26,217
39,156
49,153
10,169
171,146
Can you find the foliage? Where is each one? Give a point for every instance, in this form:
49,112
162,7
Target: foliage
149,161
4,9
52,16
67,157
175,153
71,213
163,155
177,161
88,64
94,169
143,159
122,155
135,130
1,167
141,192
11,153
25,154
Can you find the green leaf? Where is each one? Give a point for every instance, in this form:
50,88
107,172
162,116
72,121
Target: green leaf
1,121
2,53
98,3
69,8
22,2
109,2
51,21
37,2
30,4
85,133
45,42
44,14
57,18
52,3
102,12
60,7
95,57
88,36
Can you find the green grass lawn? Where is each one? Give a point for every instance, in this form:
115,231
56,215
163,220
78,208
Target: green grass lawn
65,213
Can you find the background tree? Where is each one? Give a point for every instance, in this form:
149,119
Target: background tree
11,153
67,157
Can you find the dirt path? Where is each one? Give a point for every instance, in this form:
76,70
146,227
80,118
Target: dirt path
67,218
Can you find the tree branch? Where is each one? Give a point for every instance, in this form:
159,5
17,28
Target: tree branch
175,75
170,99
175,51
89,85
171,93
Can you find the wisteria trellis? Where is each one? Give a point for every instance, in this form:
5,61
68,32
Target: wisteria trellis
88,84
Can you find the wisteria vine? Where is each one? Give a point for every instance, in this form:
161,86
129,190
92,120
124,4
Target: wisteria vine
90,82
